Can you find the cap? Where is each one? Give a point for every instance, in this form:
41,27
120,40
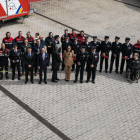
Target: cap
66,37
106,37
83,46
86,37
56,36
127,39
15,45
75,38
117,37
93,47
94,37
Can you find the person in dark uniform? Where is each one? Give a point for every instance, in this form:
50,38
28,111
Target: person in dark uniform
4,54
37,49
29,58
127,49
15,57
49,43
105,49
76,48
81,60
92,63
43,63
134,65
116,49
65,34
96,43
65,44
56,60
56,42
24,47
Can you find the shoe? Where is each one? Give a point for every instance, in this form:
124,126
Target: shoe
129,80
32,82
35,74
13,77
29,73
57,79
45,82
117,72
39,82
93,82
22,74
121,72
110,71
75,81
87,81
26,82
100,71
54,81
7,77
18,78
106,71
81,81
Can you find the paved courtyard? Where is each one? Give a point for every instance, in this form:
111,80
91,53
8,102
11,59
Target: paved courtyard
107,110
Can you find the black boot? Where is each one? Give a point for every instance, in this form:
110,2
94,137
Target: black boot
6,75
1,76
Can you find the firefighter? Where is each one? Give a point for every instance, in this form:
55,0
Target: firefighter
105,49
19,39
65,34
92,64
81,37
116,49
81,60
73,35
136,47
30,39
96,43
4,54
127,49
8,41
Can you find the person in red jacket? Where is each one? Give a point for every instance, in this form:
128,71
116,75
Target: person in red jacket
8,41
136,48
73,35
19,39
81,37
4,54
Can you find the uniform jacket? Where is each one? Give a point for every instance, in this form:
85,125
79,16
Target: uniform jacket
68,59
81,39
49,42
15,56
31,41
19,41
30,61
24,48
5,55
76,47
88,46
9,43
127,50
116,48
134,64
93,59
56,60
136,48
71,37
54,43
65,45
41,63
105,48
63,38
97,44
81,57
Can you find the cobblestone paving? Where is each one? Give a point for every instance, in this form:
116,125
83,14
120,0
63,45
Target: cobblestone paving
108,110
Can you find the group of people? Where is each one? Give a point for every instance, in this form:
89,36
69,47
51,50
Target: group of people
77,53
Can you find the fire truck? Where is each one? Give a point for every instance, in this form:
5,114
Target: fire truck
10,9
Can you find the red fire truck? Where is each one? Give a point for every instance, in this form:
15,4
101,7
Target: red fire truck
14,8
